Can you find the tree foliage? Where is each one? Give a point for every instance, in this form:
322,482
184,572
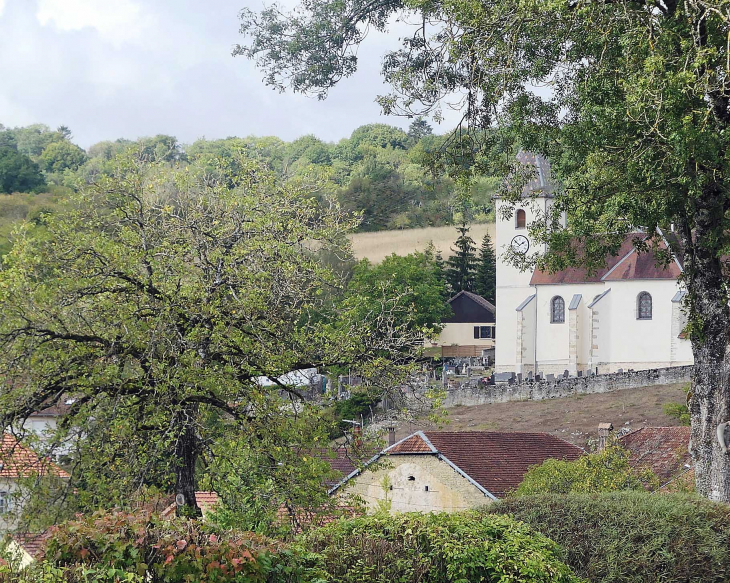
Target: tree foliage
18,173
416,278
435,548
60,156
608,470
158,302
461,266
635,125
485,281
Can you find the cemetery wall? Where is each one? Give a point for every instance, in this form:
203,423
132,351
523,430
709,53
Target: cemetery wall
474,392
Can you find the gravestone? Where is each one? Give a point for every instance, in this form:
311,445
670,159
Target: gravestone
551,377
519,377
620,370
566,374
580,373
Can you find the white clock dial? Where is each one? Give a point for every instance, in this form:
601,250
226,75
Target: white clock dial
520,244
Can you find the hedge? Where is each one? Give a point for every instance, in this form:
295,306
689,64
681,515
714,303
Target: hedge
407,548
118,545
631,537
433,548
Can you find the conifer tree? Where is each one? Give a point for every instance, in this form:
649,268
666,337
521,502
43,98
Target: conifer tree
461,266
486,275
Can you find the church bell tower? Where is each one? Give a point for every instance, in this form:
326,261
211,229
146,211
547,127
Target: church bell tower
515,309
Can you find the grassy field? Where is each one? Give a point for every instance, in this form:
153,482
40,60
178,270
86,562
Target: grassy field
376,246
574,419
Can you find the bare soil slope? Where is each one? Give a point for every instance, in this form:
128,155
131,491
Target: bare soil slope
574,419
376,246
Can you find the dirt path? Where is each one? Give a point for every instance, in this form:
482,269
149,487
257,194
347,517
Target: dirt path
574,419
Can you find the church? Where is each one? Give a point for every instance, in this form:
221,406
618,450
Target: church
626,316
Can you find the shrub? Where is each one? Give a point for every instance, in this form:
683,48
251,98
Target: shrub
632,537
120,544
605,471
679,411
438,548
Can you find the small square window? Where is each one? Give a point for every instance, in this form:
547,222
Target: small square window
485,331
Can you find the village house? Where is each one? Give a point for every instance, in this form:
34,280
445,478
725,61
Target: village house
16,463
627,315
471,330
431,471
25,548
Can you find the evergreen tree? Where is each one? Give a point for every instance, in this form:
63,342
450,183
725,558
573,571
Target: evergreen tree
486,276
418,129
461,266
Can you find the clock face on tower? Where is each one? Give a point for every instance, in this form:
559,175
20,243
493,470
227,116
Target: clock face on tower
520,244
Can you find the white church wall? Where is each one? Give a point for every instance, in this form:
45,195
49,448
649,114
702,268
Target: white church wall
525,346
553,347
641,344
601,310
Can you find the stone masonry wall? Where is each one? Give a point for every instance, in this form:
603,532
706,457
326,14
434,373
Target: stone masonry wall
417,483
475,393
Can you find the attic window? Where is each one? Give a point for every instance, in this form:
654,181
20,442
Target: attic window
411,478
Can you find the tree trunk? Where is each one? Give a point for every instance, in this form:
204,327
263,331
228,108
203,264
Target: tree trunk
709,402
187,448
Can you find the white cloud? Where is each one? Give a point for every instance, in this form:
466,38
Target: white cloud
116,21
2,7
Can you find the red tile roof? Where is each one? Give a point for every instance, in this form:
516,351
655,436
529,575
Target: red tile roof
643,266
663,450
497,461
206,502
33,544
344,463
18,461
580,274
413,444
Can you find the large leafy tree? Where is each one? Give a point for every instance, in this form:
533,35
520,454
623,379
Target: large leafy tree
415,277
628,99
60,156
164,307
18,173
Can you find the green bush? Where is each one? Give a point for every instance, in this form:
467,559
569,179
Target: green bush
608,470
119,545
437,548
632,537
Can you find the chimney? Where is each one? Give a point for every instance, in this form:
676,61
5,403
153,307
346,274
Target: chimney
604,431
357,435
391,436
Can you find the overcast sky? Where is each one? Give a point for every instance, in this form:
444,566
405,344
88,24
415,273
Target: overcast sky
131,68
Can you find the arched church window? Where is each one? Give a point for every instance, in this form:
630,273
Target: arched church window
520,219
643,306
557,310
